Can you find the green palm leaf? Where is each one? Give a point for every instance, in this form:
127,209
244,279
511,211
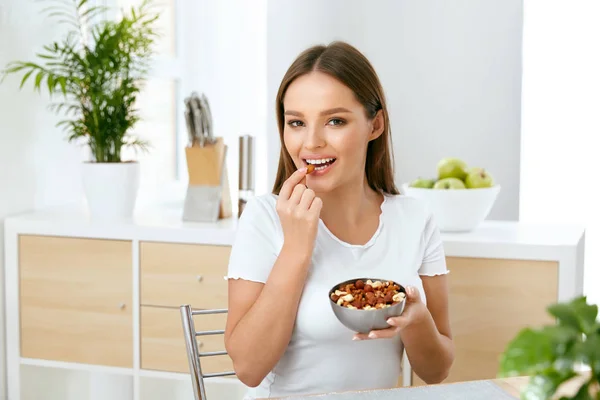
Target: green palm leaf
100,80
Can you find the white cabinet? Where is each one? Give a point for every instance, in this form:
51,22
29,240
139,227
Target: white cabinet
92,309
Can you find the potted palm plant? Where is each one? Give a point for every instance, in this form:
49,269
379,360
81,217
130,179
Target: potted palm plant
97,71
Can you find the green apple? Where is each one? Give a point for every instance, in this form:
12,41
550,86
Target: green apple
452,168
422,183
478,178
449,183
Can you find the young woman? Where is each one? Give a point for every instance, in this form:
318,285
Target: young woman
344,220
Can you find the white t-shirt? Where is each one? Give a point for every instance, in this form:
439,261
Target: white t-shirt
321,356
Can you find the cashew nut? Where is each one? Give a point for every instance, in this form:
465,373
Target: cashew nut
398,296
348,297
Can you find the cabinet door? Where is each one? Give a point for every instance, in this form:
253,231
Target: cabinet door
491,300
163,345
76,300
173,274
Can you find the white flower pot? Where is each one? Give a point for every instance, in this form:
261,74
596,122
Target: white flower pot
111,189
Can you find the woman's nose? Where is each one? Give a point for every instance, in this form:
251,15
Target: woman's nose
314,138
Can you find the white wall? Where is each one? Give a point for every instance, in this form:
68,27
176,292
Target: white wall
37,167
451,72
228,63
560,121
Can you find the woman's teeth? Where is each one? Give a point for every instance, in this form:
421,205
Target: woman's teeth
321,164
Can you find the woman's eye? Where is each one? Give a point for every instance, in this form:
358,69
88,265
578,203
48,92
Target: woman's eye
336,121
295,123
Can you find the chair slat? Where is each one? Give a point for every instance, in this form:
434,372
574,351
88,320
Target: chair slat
206,333
213,353
215,311
216,374
193,354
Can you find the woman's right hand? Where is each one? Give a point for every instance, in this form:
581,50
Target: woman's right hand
299,210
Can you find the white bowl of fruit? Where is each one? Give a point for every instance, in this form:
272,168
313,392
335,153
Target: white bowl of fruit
460,198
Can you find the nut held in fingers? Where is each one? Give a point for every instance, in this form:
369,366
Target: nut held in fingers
310,168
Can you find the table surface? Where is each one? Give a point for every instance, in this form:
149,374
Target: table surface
510,386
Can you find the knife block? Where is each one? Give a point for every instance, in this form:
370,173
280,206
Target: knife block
207,198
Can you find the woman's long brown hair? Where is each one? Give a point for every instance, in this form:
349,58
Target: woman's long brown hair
348,65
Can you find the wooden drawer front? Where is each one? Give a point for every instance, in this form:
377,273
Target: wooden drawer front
76,300
176,274
163,345
491,300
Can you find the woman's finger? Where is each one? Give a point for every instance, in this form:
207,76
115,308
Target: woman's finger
361,336
377,334
297,194
413,295
398,322
309,170
307,198
383,333
291,182
316,206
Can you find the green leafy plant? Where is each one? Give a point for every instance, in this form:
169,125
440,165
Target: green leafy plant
551,355
98,68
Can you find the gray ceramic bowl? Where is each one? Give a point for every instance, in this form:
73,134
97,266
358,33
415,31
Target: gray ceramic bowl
364,321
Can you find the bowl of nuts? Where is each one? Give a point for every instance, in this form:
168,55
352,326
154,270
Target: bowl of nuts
365,304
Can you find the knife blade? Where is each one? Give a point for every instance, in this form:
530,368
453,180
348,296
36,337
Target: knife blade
189,121
204,120
198,123
208,117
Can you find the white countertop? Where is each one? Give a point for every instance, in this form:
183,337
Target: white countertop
163,224
560,243
504,239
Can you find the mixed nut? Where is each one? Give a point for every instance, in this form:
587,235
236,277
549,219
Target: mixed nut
368,295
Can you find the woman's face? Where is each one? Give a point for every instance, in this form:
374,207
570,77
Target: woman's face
325,125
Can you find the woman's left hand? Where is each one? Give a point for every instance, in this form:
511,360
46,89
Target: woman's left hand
414,312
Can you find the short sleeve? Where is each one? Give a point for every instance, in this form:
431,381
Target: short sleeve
434,257
254,250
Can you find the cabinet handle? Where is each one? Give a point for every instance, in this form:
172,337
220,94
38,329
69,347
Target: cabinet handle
199,278
122,306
